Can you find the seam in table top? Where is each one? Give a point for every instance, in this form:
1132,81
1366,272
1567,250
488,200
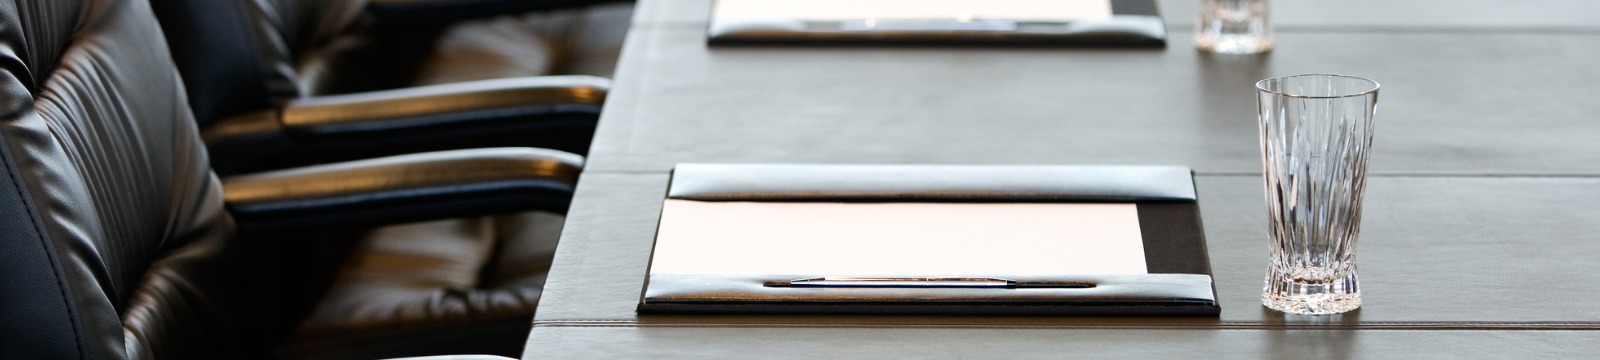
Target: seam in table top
1179,28
1226,325
1244,174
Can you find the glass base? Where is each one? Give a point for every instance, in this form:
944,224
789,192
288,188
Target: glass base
1234,43
1284,293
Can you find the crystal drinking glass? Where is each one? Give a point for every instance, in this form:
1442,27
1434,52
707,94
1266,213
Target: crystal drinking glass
1233,27
1316,133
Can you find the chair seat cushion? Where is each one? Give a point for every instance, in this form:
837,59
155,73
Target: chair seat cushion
575,41
460,285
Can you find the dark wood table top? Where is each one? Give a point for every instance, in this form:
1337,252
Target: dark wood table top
1479,232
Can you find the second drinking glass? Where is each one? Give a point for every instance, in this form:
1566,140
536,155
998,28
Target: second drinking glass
1233,27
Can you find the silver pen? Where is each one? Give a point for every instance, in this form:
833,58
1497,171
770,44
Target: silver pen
925,282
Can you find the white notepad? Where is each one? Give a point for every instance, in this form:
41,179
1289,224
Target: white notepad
898,239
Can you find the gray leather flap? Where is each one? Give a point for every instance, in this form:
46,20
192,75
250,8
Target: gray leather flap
834,182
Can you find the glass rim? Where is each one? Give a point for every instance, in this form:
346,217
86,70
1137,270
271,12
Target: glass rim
1375,86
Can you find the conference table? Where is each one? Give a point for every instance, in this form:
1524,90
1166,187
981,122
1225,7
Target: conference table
1480,237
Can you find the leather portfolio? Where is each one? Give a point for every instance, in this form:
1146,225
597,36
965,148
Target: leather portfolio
1065,22
930,239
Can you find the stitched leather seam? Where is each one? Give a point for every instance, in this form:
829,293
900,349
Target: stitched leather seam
1558,326
55,263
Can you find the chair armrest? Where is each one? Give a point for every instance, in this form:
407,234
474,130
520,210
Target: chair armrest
418,108
436,11
455,357
557,112
403,188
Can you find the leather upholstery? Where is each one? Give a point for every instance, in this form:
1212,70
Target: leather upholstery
433,104
226,76
259,71
309,48
105,156
583,40
242,65
117,243
408,309
403,188
411,11
305,47
557,112
468,279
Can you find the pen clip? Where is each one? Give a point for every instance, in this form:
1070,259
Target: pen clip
922,282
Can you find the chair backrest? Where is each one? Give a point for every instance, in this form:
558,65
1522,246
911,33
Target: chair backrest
242,55
115,242
227,75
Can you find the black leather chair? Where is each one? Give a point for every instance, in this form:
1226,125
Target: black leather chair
120,242
278,83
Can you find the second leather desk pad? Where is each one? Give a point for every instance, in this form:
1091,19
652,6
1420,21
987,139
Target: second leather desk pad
886,239
1092,22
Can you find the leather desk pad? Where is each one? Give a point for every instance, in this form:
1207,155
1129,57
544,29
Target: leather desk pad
1176,280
